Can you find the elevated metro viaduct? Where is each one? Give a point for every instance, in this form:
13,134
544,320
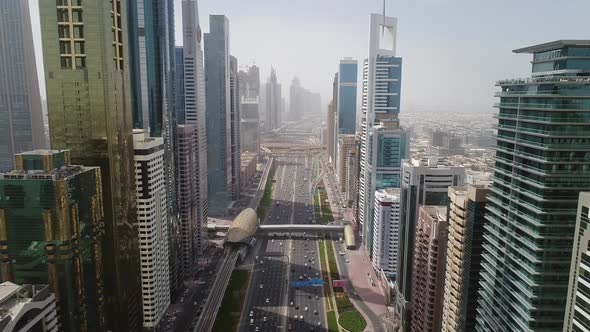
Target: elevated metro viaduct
239,238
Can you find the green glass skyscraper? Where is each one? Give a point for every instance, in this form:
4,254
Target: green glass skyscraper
51,231
542,163
88,100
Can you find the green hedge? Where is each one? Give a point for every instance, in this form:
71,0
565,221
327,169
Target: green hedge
352,320
332,323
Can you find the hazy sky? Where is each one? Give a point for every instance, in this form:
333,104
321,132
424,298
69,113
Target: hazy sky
453,50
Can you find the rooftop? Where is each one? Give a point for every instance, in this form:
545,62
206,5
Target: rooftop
553,45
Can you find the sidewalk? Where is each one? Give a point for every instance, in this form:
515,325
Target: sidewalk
370,300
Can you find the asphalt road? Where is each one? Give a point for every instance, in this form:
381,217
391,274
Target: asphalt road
281,259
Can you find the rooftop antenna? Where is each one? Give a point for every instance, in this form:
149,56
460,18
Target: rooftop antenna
383,25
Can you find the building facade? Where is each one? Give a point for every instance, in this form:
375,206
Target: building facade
89,110
218,114
21,118
297,100
347,91
273,103
152,218
541,165
27,307
52,231
235,118
250,109
424,182
331,133
578,305
465,221
383,142
346,145
386,235
429,267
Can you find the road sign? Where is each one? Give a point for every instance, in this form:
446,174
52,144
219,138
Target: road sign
307,283
338,283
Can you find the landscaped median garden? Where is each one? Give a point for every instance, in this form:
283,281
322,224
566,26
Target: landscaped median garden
346,314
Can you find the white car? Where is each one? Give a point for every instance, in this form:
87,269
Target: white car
306,309
260,286
301,317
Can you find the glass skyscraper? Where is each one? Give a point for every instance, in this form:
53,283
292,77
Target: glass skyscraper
217,87
85,55
51,231
347,88
21,119
542,163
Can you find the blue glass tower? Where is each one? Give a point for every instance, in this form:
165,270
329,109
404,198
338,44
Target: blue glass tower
347,90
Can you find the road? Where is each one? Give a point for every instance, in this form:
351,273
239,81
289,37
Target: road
281,260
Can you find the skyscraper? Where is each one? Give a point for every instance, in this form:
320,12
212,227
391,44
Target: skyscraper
541,165
250,106
346,145
217,78
273,103
347,88
85,55
386,236
331,133
429,267
191,153
250,82
465,223
577,307
296,100
21,118
152,217
52,230
383,142
424,182
235,118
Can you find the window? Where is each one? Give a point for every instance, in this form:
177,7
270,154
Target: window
66,62
64,31
80,62
78,32
62,16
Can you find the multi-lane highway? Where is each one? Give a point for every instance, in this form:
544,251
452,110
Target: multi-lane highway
272,304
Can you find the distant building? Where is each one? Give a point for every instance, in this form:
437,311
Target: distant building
386,235
465,224
219,126
248,168
152,218
21,116
274,103
347,90
297,100
27,308
331,134
249,82
346,145
52,231
352,177
235,118
250,109
437,138
541,166
577,306
424,182
429,267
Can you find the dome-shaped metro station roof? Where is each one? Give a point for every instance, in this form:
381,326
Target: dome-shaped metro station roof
243,227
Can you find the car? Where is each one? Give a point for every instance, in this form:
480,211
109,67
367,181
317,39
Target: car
260,286
300,278
251,313
296,307
305,264
252,321
309,297
319,324
291,303
257,329
267,300
347,261
306,309
301,317
317,297
281,244
272,241
290,327
315,312
264,319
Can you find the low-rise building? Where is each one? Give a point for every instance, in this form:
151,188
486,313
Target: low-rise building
27,308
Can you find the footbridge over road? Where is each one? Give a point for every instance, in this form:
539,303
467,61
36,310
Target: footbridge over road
242,233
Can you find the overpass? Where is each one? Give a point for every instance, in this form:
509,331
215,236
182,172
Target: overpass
264,229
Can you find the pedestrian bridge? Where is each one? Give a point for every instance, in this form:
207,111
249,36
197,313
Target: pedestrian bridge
265,229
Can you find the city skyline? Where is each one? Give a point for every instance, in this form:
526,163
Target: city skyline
349,23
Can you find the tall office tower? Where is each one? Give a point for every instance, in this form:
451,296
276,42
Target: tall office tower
192,169
330,143
250,99
236,150
21,118
465,223
352,176
333,122
29,306
424,182
429,267
315,107
152,217
218,90
85,56
250,82
273,102
385,238
296,100
346,106
249,125
541,165
383,142
346,144
577,307
51,231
